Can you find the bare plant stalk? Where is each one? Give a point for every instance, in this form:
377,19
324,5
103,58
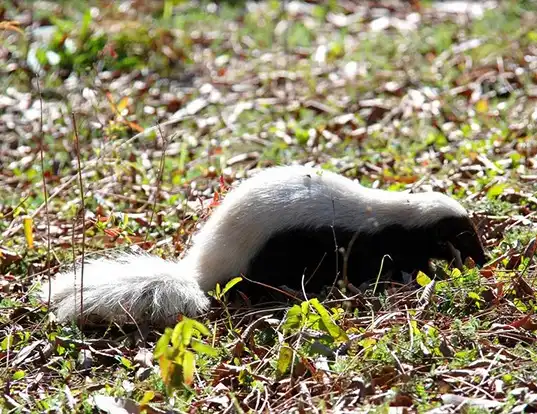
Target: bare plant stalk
83,211
336,247
346,259
159,180
45,193
73,234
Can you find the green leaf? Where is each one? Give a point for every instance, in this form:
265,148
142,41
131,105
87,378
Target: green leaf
415,329
202,348
323,313
368,343
496,190
125,362
305,308
162,344
520,305
148,396
302,135
455,273
189,365
85,30
20,374
187,331
201,328
245,377
177,334
532,36
422,279
284,360
332,328
475,296
432,332
167,368
6,342
482,106
178,357
231,283
294,319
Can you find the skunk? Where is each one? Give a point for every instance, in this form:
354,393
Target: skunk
295,226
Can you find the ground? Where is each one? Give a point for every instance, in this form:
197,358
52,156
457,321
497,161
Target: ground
123,123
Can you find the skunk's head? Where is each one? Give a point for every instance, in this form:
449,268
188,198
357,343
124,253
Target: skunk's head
454,236
458,240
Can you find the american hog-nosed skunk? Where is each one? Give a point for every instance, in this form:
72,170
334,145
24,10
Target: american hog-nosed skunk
284,226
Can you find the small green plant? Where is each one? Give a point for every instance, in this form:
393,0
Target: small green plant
176,352
220,294
78,52
312,315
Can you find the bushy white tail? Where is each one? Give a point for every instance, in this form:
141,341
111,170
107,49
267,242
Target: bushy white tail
129,287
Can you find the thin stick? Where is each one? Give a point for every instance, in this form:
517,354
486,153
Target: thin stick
159,181
132,319
347,256
73,234
45,193
283,292
336,247
83,211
